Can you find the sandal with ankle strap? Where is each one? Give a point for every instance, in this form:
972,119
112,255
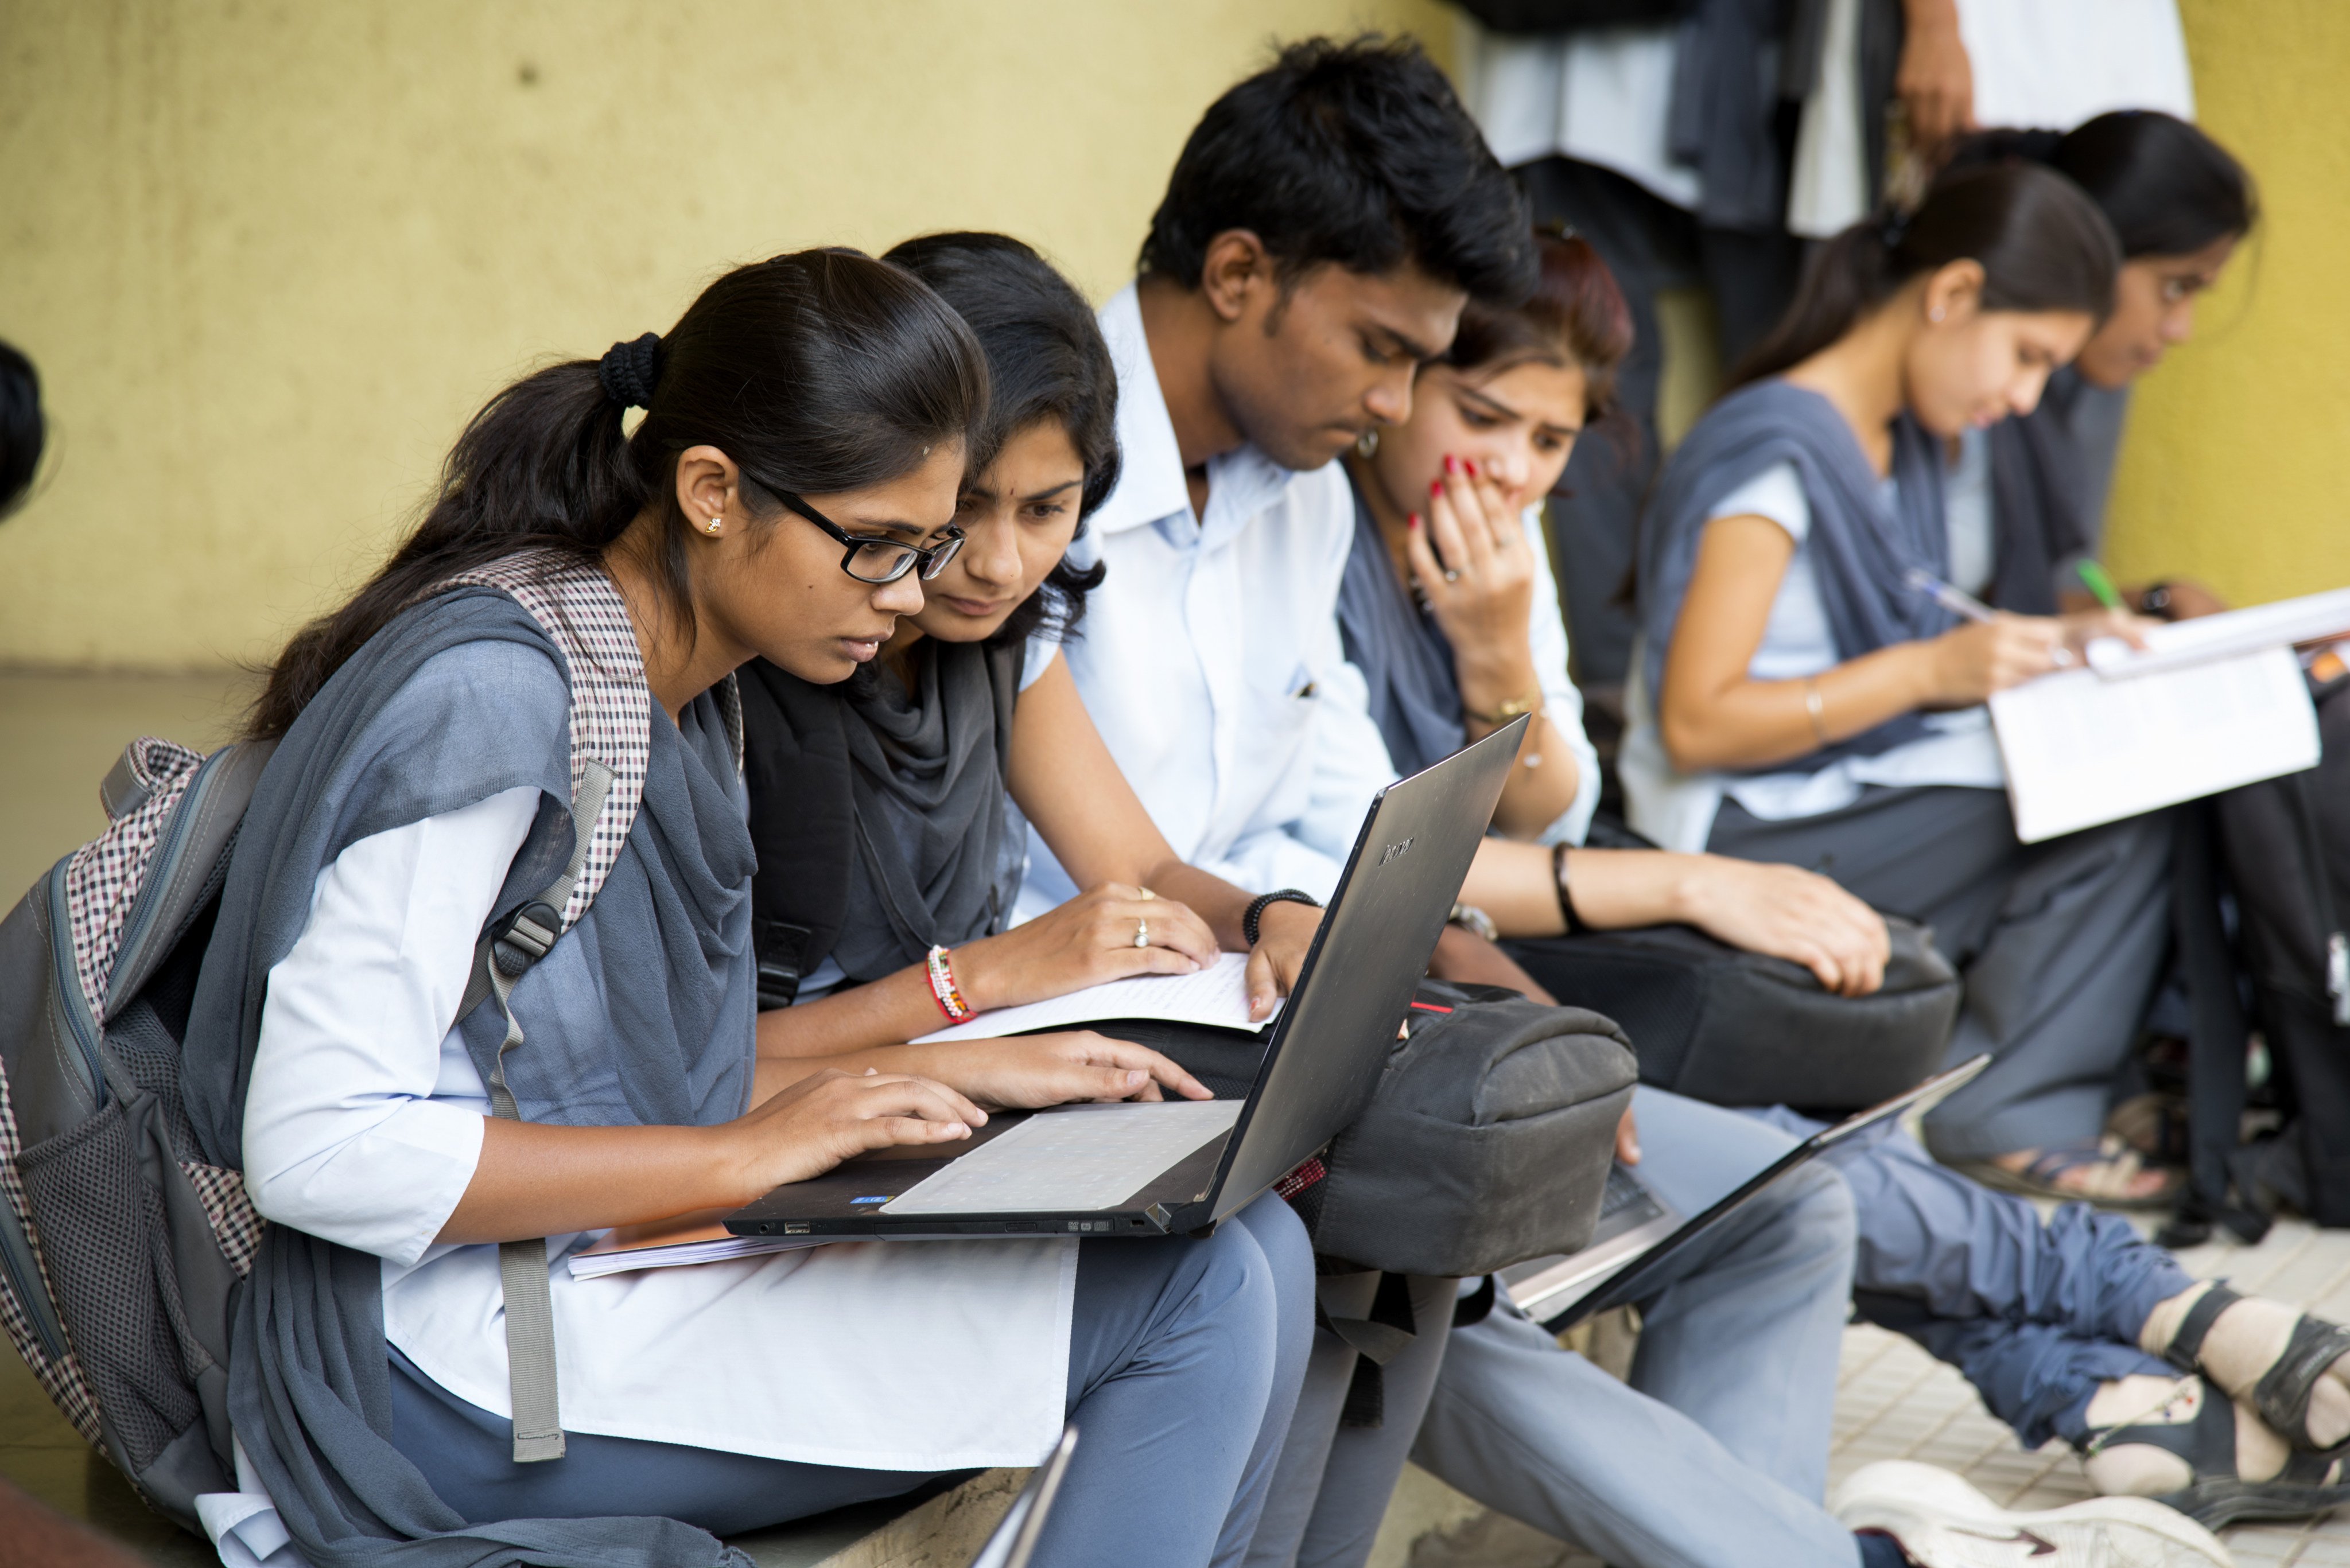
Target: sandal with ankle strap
2311,1483
2114,1167
2281,1398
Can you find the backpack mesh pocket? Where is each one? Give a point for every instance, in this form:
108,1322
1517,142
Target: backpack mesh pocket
108,1257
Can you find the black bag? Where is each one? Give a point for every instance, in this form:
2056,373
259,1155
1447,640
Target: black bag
1736,1028
1486,1144
2286,844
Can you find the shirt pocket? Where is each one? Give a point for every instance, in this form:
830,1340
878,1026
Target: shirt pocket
1278,726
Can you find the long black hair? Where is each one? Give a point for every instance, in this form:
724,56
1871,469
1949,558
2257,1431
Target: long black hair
2167,189
820,372
2041,242
1045,361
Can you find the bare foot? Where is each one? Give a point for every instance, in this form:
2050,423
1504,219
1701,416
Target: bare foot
2115,1175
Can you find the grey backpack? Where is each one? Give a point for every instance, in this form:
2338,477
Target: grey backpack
1487,1142
119,1248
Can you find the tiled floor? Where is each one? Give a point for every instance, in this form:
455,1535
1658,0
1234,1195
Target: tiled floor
1896,1402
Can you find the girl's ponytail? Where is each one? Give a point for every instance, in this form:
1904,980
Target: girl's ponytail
825,370
2040,242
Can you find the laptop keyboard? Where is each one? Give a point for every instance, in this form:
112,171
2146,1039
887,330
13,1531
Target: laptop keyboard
1624,1192
1090,1157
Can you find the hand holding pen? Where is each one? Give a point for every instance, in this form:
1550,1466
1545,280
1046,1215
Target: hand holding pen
1993,652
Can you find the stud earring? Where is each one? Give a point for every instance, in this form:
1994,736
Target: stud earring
1935,313
1368,443
711,526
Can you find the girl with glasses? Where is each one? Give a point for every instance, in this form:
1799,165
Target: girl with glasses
418,787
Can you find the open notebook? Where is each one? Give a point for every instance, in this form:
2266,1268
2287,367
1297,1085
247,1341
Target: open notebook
2208,705
1215,995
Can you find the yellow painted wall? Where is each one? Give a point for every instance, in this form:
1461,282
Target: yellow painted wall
270,254
2233,469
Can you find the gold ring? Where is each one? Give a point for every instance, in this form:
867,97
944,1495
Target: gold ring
1142,933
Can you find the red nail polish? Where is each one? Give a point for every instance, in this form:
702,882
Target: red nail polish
1435,488
1451,466
1414,519
1471,467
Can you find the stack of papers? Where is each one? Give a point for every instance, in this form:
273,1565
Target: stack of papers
672,1243
1217,995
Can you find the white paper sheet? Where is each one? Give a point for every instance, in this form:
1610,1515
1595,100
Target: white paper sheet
1092,1156
2209,637
1217,994
2080,750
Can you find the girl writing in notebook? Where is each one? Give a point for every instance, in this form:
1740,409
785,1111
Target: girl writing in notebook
417,1377
1801,698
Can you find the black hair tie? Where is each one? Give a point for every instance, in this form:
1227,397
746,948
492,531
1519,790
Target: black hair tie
1893,228
628,371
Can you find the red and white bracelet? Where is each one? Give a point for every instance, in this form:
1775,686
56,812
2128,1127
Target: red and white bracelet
943,991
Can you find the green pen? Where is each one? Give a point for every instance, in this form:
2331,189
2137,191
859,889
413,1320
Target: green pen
2094,576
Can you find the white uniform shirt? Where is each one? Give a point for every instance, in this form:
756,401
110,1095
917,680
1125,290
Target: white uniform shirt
1209,659
364,1124
1676,809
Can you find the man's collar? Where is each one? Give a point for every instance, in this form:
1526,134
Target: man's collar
1150,483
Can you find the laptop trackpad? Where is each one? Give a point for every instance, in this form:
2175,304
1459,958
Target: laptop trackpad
1074,1157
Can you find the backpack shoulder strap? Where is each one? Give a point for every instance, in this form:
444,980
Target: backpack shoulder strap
611,739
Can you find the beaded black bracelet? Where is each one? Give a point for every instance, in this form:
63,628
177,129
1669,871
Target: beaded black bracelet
1574,923
1257,905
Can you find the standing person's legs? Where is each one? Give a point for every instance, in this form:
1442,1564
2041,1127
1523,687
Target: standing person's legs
2058,941
1649,245
1744,1341
1542,1434
1753,278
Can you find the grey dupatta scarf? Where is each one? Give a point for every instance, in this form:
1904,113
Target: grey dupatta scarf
926,763
646,1018
1861,550
1405,657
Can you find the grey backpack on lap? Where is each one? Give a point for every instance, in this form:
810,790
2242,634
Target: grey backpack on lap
1487,1143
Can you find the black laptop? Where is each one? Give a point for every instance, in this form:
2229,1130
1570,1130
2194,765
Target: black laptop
1168,1167
1639,1231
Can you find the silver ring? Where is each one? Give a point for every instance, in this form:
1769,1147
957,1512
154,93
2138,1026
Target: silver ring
1451,576
1142,933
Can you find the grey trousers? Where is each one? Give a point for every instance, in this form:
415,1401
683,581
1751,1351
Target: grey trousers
2061,943
1717,1451
1331,1488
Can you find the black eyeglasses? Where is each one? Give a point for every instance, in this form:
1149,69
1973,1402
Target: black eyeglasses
872,560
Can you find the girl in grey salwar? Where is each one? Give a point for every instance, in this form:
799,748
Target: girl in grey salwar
792,479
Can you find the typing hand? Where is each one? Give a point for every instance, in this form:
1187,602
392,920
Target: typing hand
809,1126
1028,1071
1285,931
1084,942
1789,913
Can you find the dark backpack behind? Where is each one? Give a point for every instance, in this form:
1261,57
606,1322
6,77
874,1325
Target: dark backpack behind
1736,1028
2286,844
